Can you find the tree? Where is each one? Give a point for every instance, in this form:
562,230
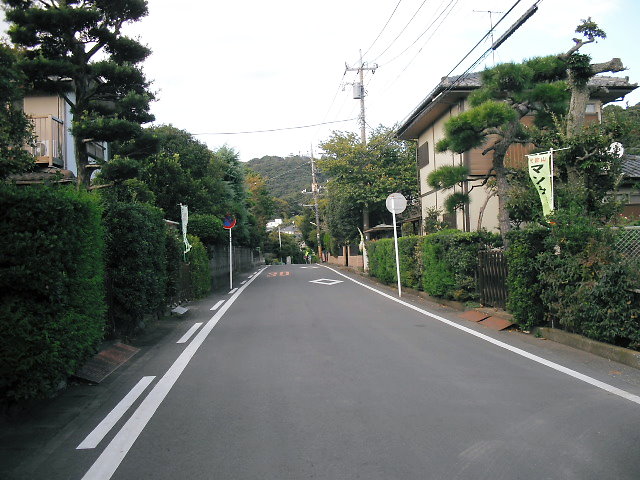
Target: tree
15,127
509,92
76,49
629,121
260,203
363,176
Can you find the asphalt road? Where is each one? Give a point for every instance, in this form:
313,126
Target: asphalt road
295,376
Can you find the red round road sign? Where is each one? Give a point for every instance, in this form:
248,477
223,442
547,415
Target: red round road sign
228,222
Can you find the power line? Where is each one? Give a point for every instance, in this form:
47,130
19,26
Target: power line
276,129
385,26
402,31
428,28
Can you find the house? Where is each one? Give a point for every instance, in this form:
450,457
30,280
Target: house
629,189
426,125
54,147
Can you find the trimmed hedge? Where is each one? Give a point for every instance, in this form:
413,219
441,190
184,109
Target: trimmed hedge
382,261
199,268
525,291
135,264
52,303
450,262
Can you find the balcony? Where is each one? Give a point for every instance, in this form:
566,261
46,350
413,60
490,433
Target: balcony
49,144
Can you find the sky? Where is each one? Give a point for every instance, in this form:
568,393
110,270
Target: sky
252,65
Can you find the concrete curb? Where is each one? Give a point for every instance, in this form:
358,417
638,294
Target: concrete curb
622,355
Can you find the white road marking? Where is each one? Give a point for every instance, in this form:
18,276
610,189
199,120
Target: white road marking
107,463
325,281
233,291
190,332
518,351
95,437
217,305
243,282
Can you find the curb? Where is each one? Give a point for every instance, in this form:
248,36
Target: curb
622,355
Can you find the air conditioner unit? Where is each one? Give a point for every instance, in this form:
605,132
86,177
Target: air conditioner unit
41,149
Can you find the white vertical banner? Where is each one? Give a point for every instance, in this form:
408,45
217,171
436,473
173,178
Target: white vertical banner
184,214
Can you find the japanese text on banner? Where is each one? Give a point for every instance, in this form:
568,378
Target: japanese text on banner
540,173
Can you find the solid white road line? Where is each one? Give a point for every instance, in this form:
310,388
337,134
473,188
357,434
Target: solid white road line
233,291
95,437
506,346
217,305
107,463
190,332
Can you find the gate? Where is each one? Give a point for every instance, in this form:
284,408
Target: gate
492,278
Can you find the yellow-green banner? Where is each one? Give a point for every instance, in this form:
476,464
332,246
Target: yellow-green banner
540,173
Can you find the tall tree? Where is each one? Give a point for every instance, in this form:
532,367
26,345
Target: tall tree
363,176
15,127
77,49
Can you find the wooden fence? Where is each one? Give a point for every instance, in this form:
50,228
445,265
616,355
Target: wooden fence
492,278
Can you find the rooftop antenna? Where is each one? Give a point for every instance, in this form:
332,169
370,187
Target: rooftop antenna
490,12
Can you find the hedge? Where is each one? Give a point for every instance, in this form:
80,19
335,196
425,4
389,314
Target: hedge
52,302
199,268
450,262
135,264
525,291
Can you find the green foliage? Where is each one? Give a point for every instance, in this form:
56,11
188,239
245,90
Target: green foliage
16,130
175,290
207,228
432,222
199,268
381,256
363,176
524,289
51,287
447,176
585,282
468,130
382,261
83,42
456,201
135,263
627,121
290,247
450,260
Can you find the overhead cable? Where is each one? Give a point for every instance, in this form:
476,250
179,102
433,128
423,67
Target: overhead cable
276,129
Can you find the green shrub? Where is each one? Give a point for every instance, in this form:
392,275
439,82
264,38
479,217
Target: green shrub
51,287
450,262
381,256
135,264
208,228
174,248
199,268
586,283
524,300
410,253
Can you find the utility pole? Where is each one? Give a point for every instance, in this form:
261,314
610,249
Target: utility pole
490,12
314,189
359,93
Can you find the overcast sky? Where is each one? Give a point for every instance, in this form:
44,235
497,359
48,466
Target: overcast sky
248,65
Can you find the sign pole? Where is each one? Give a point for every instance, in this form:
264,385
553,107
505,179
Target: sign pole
230,262
395,240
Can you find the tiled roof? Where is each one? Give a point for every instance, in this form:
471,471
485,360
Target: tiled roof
631,166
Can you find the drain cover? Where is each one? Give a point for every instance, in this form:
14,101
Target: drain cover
101,365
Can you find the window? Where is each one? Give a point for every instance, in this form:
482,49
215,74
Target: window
423,155
591,108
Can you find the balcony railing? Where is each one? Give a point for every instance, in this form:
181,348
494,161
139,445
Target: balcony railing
49,145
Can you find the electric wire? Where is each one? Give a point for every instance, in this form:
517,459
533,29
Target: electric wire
402,31
427,29
383,28
275,129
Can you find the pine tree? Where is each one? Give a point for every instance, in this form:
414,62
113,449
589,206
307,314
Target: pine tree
76,49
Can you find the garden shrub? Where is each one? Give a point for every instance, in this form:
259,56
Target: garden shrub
135,264
174,248
52,299
381,255
208,228
586,284
410,253
524,300
450,262
199,268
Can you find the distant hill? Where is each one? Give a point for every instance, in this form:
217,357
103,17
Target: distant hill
286,178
